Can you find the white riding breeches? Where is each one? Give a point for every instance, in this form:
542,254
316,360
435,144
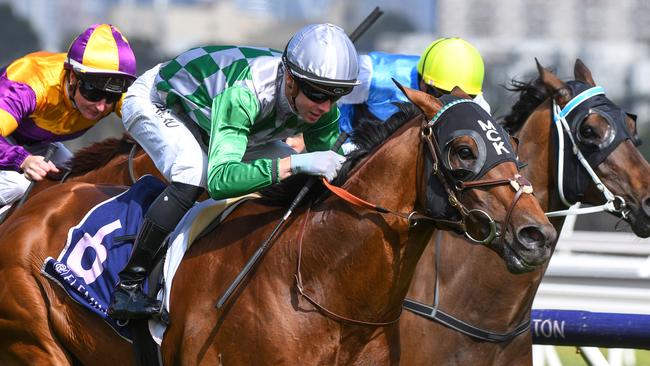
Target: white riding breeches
14,184
164,133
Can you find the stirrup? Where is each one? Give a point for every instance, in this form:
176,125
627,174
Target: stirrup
133,303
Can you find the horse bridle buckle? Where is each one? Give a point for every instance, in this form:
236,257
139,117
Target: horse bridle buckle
519,182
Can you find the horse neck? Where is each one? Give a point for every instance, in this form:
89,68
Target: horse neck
387,177
371,256
536,149
116,171
474,278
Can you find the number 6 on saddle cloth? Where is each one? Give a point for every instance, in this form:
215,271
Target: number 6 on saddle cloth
95,250
89,264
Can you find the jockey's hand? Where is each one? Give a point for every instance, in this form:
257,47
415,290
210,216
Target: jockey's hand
36,168
321,163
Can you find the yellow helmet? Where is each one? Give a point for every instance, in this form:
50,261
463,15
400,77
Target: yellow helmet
450,62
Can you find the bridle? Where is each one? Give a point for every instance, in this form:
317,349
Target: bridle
520,184
614,203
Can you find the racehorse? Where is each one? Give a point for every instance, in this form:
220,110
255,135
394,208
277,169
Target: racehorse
111,161
472,284
336,274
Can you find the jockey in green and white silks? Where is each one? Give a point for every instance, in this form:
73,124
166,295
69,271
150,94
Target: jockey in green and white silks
446,63
214,117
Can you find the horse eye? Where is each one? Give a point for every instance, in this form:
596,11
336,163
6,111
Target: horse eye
465,153
588,132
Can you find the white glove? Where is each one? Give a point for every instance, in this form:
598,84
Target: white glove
323,163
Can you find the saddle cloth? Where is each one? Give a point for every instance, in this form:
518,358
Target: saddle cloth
89,264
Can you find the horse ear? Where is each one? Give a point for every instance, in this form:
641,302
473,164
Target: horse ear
428,104
460,93
556,87
582,73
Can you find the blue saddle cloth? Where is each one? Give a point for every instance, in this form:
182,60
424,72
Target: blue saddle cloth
88,266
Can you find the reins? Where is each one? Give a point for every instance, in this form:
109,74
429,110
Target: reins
132,153
412,217
520,184
321,308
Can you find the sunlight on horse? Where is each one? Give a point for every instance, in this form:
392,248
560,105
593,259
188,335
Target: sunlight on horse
474,284
355,264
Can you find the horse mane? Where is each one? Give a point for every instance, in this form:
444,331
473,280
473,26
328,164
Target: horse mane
531,95
371,132
99,154
368,133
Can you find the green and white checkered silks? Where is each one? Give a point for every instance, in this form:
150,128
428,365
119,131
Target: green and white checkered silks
196,76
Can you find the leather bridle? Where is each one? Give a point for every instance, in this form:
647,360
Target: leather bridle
520,184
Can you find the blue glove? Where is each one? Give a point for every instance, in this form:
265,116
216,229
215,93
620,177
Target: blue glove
323,163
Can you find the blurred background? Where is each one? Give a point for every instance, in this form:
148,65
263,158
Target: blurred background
610,36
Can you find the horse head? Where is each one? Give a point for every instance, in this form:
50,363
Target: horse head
471,176
607,167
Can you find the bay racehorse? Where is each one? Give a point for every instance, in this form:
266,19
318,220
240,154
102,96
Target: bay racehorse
111,161
473,284
335,276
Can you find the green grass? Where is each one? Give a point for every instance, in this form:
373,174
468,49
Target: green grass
570,357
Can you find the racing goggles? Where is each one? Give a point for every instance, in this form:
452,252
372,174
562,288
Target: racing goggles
321,93
93,94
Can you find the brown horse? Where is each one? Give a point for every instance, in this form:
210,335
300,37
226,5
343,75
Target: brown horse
334,277
111,161
473,284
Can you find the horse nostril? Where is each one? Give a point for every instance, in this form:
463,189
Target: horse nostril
532,236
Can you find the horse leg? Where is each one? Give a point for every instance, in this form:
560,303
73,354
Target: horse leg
25,333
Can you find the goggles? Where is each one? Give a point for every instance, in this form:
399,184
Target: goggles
321,94
94,94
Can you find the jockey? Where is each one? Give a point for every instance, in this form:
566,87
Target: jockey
445,63
238,104
47,97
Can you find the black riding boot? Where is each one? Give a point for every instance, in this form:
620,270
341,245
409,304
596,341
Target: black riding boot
129,300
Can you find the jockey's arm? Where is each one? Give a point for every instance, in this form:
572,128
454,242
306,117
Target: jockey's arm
233,114
15,157
11,156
